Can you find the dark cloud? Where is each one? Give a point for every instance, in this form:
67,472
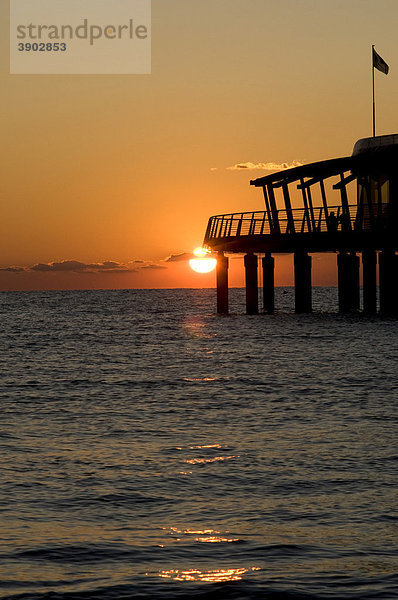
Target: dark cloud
13,269
66,265
179,257
107,265
76,266
153,267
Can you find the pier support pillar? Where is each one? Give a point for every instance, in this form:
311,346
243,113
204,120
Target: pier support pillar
369,261
302,282
268,283
251,284
348,281
222,284
355,291
388,271
343,271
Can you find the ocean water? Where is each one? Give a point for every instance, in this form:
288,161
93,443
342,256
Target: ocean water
151,449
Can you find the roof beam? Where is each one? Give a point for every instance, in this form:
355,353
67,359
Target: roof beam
344,181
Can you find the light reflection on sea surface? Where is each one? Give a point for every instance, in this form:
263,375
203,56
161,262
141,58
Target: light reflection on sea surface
287,425
208,576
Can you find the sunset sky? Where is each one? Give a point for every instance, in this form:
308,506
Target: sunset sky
105,176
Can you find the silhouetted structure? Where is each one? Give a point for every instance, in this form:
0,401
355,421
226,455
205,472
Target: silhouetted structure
349,206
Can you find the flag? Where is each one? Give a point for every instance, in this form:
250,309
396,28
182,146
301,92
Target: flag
379,63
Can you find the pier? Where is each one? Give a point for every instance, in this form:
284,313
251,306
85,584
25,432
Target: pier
348,206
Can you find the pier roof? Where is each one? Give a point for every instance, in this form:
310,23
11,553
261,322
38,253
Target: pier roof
370,152
320,169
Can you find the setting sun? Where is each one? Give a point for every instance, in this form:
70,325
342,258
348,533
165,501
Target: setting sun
203,263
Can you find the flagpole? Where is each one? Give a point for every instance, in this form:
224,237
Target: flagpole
373,93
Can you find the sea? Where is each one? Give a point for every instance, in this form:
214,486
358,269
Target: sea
151,449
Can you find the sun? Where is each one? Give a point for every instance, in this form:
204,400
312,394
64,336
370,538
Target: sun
203,263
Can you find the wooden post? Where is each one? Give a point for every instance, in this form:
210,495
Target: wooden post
324,200
274,209
288,206
302,282
268,283
369,261
222,284
251,284
345,209
305,203
268,210
343,282
311,207
348,278
355,291
388,267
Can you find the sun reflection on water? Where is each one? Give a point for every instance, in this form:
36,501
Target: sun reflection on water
207,446
201,378
200,531
215,539
213,576
197,461
211,536
195,327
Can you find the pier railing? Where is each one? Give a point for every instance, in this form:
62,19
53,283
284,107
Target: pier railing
301,220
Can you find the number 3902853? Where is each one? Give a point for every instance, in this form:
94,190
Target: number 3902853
42,47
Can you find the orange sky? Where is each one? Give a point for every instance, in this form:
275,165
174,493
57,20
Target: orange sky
116,173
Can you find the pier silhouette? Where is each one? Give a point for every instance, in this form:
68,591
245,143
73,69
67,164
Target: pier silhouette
349,206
